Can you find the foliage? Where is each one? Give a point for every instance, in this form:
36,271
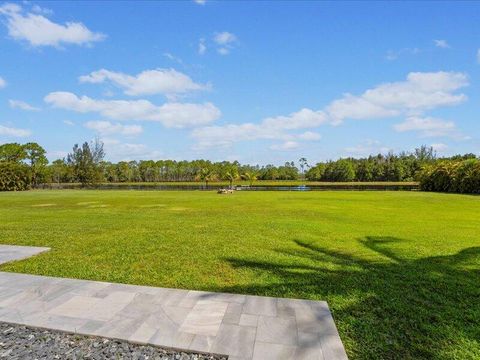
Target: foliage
459,176
85,162
399,270
21,166
14,176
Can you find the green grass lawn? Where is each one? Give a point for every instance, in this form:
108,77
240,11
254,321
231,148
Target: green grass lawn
400,270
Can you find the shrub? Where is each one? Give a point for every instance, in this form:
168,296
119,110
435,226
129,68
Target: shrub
452,176
14,176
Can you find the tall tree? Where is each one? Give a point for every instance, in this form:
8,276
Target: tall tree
86,160
250,176
206,174
12,152
231,174
35,155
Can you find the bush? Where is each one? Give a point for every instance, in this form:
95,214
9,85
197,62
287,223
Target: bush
452,176
14,176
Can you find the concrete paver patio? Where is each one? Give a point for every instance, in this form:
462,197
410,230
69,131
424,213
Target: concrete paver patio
240,326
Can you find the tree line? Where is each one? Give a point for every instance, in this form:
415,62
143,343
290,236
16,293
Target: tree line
25,166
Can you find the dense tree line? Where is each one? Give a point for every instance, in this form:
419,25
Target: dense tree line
25,166
453,175
21,166
389,167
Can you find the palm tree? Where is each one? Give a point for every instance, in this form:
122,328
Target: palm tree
231,175
250,176
206,174
303,164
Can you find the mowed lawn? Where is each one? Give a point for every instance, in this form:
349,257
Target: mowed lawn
400,270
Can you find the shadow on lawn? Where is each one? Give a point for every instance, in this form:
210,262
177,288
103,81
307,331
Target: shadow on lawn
399,308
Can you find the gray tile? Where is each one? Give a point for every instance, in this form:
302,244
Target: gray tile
267,351
234,340
205,318
11,253
259,305
202,343
248,320
277,330
231,318
234,308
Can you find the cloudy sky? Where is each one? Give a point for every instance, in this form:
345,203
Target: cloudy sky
257,82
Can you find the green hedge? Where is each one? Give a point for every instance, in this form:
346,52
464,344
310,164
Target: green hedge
452,176
14,176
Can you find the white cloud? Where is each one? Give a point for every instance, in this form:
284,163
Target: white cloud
394,55
173,58
439,147
429,127
200,2
418,93
68,122
3,83
118,151
273,128
202,48
310,136
108,128
286,146
38,30
148,82
441,44
17,104
412,97
366,148
478,56
223,51
224,38
225,41
39,10
177,115
14,132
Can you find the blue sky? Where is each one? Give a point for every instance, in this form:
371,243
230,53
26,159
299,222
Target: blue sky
262,82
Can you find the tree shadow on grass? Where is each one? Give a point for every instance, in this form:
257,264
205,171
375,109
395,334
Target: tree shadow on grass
399,308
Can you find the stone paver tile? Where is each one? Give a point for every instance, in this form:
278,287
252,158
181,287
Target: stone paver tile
104,310
285,311
182,340
248,320
309,347
234,308
141,305
58,322
161,327
176,314
77,306
268,351
202,343
277,330
332,347
119,327
10,315
294,303
91,327
12,252
234,340
205,318
313,320
259,305
92,289
232,318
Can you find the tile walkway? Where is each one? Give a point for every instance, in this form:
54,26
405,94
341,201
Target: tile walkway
240,326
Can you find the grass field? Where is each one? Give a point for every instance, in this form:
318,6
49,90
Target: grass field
400,270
